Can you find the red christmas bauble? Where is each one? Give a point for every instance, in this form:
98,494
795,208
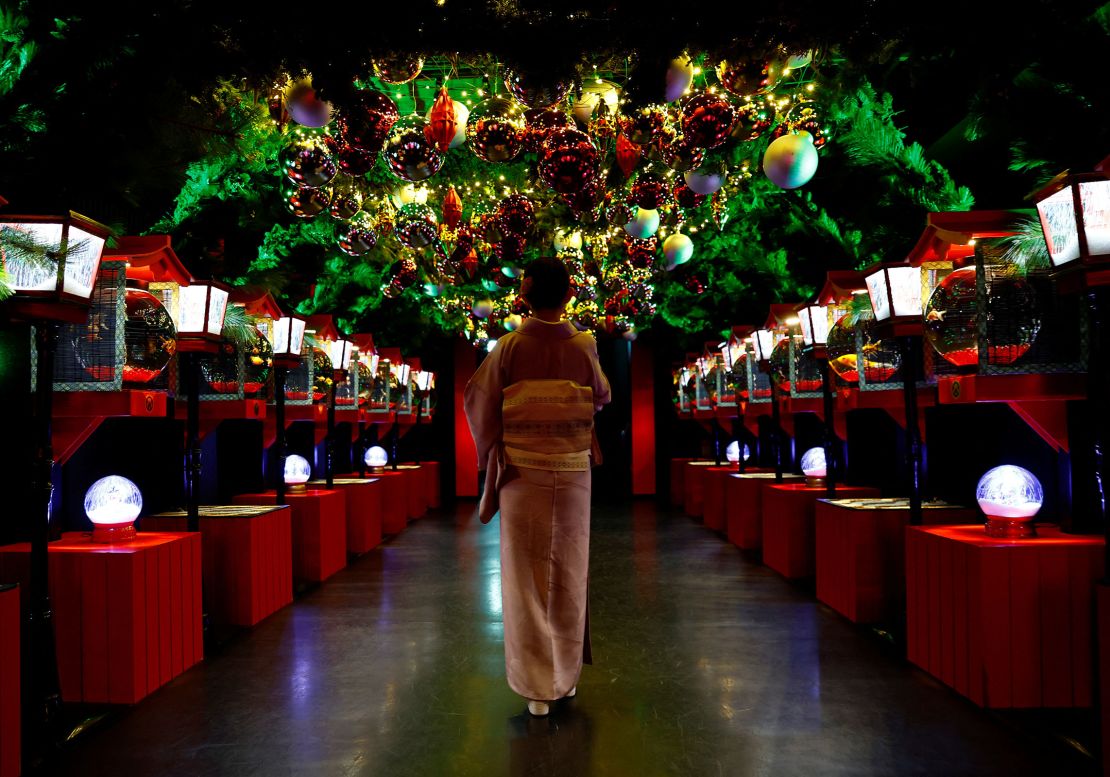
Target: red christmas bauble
366,123
641,253
753,119
568,160
398,68
355,161
534,91
539,123
685,196
359,237
650,191
642,126
586,200
707,119
407,152
416,226
495,130
517,215
744,77
509,251
680,155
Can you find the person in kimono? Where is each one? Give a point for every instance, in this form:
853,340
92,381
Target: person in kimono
530,407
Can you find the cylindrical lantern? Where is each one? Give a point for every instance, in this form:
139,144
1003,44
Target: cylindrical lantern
895,292
814,467
297,472
376,458
763,342
815,326
339,351
200,315
1010,497
1075,216
288,337
112,504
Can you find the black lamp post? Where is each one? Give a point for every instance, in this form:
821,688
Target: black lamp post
288,341
895,292
340,352
200,321
51,263
814,320
763,343
425,381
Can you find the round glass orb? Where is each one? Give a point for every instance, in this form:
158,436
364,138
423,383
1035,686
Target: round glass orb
149,337
882,359
112,504
297,470
258,361
813,463
376,457
365,385
952,325
1009,491
221,370
807,372
323,374
740,376
732,452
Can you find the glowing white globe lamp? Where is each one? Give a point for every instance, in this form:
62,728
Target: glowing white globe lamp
732,452
1009,496
297,472
112,504
814,467
376,458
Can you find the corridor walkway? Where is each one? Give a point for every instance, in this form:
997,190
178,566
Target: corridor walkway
707,664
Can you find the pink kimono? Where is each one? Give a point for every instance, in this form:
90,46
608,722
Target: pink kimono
530,409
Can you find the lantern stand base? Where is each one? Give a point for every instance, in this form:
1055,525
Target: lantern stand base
299,488
113,535
817,482
1010,528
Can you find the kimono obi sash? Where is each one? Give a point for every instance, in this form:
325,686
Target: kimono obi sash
548,424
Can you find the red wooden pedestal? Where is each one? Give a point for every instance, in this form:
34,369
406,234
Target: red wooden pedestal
1102,605
319,530
861,559
744,506
415,489
248,567
713,501
127,618
431,482
9,681
694,487
364,511
395,500
678,481
1006,623
789,532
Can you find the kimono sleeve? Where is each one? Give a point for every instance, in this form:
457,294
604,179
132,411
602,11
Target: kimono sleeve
482,404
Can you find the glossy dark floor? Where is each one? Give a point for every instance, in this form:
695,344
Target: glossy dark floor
707,664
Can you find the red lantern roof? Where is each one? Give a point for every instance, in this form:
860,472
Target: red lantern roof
392,354
257,301
149,258
780,313
364,342
840,285
948,236
324,326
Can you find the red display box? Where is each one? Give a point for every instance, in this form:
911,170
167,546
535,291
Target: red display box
714,480
9,681
415,488
319,529
395,500
861,558
789,526
247,559
1006,623
694,488
678,481
127,618
744,506
431,482
364,511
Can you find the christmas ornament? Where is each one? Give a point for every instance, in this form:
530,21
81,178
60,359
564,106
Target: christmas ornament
517,215
804,117
628,154
444,123
584,203
415,226
304,106
354,161
567,240
309,160
452,208
403,273
644,224
359,237
495,130
685,196
649,191
512,322
346,201
468,267
595,93
603,126
677,249
680,74
744,77
536,92
398,69
707,119
680,155
407,152
704,182
641,253
643,126
791,161
539,123
720,209
366,123
508,252
304,202
568,160
753,118
482,308
696,283
406,193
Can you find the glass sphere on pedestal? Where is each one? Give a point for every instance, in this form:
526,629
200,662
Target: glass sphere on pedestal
220,370
881,358
297,472
376,458
112,504
259,359
732,452
1010,497
807,371
780,363
323,374
952,323
814,467
149,337
365,385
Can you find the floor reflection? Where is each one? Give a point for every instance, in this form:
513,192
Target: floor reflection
561,743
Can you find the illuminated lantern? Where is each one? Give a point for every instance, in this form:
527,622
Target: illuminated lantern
815,327
1009,496
895,292
288,338
813,467
112,504
297,472
376,458
732,452
200,314
1075,216
339,352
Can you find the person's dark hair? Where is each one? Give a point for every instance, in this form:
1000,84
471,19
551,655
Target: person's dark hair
546,282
